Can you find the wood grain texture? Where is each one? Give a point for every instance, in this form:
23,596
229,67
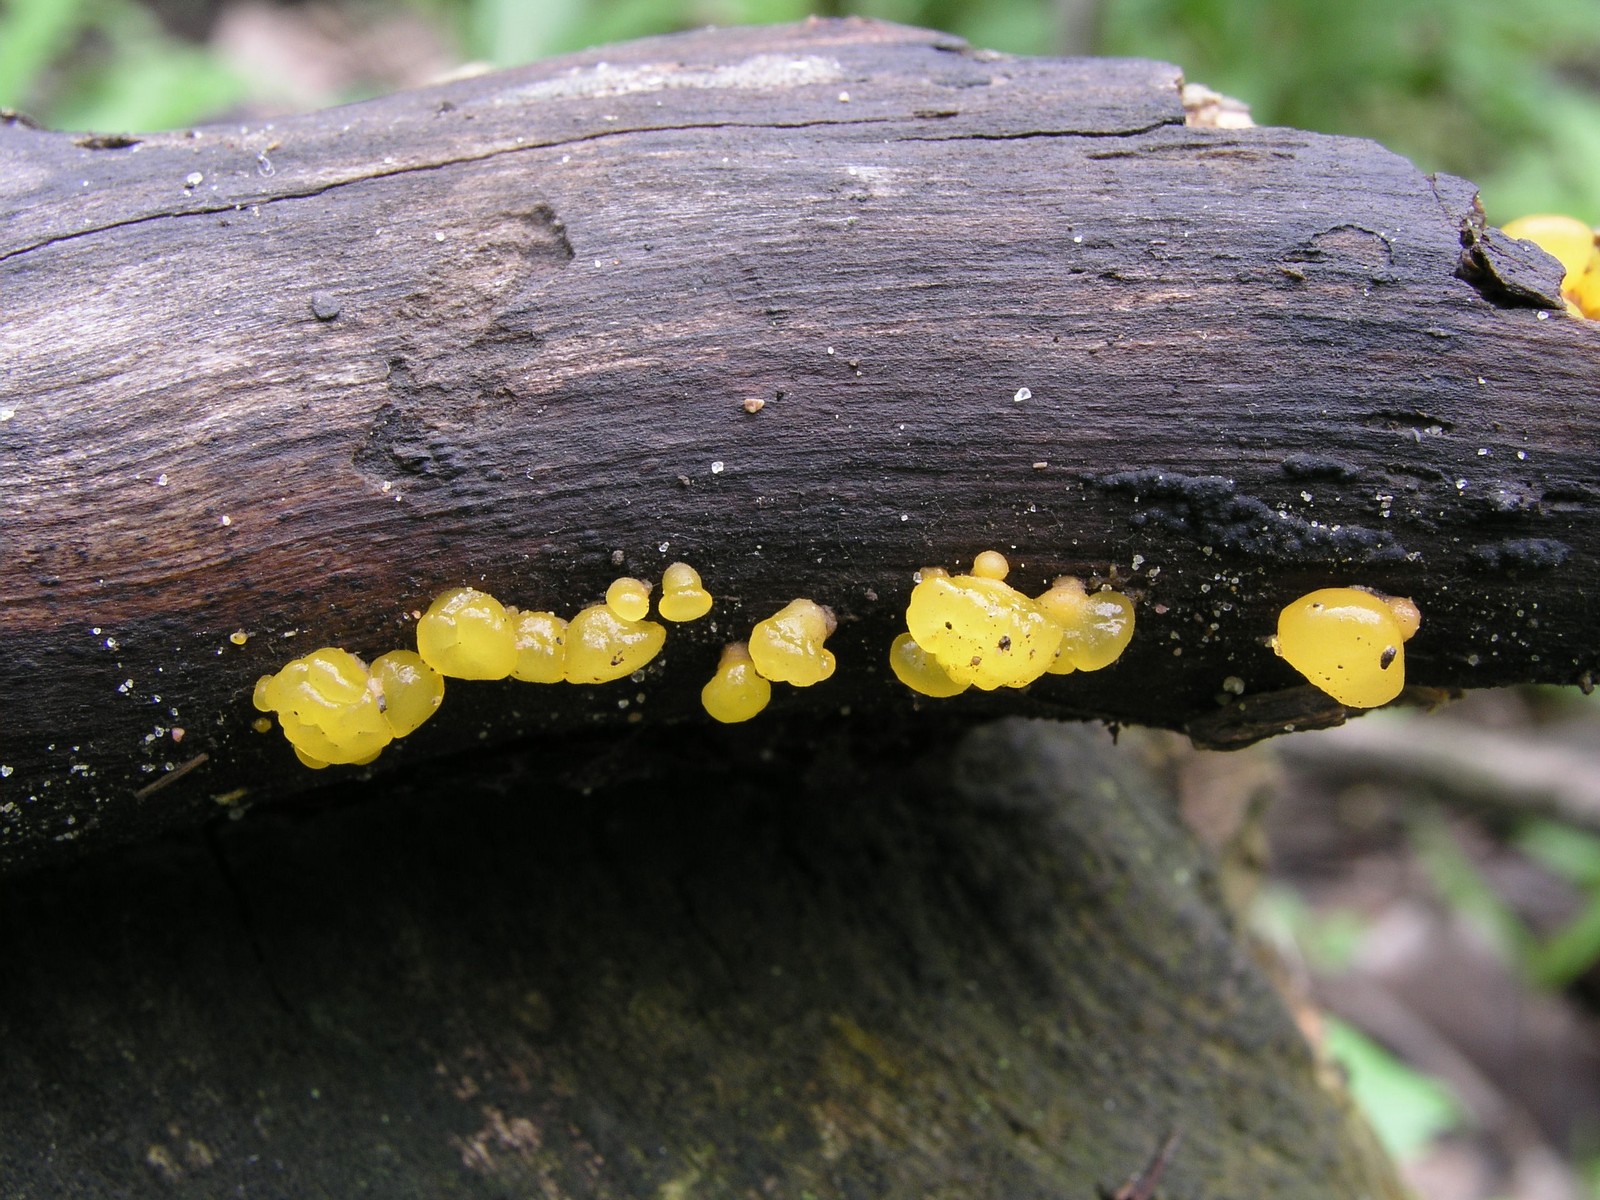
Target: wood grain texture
296,378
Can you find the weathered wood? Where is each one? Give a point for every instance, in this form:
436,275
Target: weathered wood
896,970
296,378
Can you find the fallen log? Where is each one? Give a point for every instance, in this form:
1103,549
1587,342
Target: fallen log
289,380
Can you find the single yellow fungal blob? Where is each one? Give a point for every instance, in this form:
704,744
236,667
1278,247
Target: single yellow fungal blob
629,598
787,647
1349,642
919,670
991,564
737,691
409,690
1585,293
1096,627
683,595
466,634
541,640
262,724
238,637
981,631
327,707
601,646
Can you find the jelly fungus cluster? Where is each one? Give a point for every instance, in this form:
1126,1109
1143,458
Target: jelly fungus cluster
1578,249
978,630
1350,642
334,708
785,648
973,630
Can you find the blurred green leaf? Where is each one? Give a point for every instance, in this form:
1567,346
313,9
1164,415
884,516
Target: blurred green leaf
1550,962
33,35
1569,952
1570,853
1407,1108
508,32
1502,94
1574,855
131,76
1327,941
143,93
1461,885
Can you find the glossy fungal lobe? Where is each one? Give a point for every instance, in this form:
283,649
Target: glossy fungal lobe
981,630
920,671
1406,614
737,691
466,634
541,642
328,708
1348,642
683,595
1096,626
601,646
409,690
629,598
787,646
991,564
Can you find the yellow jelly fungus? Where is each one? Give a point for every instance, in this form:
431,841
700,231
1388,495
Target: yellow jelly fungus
629,598
327,707
919,671
1406,614
991,564
238,637
409,690
737,691
262,724
787,647
981,631
466,634
601,646
1585,293
1096,627
541,640
1574,244
683,595
1347,641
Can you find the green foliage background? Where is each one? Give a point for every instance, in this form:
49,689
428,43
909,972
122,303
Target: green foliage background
1507,95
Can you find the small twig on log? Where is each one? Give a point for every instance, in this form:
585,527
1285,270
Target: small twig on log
172,776
1143,1184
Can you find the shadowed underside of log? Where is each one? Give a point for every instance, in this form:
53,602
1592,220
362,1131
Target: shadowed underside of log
292,379
888,971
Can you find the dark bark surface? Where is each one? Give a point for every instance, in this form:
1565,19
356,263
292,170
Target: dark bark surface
293,379
895,969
